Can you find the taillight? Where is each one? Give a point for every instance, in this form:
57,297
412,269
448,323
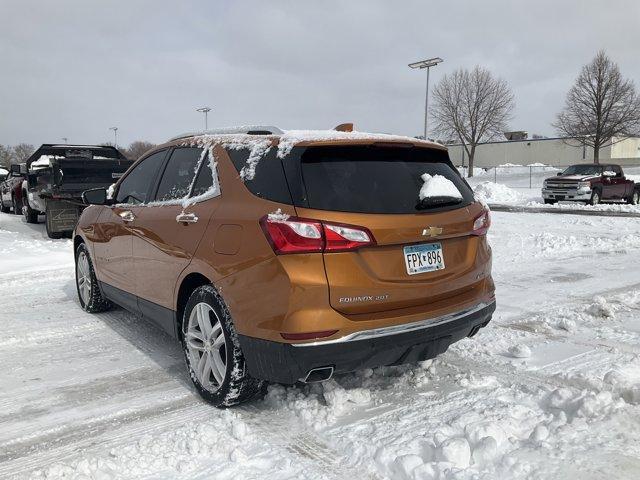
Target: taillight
301,235
482,223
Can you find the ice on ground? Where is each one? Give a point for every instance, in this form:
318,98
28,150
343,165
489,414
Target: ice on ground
437,186
489,192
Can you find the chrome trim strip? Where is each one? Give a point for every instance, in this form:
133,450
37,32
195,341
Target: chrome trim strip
398,329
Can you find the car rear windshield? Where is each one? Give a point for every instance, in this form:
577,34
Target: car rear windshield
376,179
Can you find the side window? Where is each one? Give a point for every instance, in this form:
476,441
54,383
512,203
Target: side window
179,173
136,185
204,180
269,181
617,170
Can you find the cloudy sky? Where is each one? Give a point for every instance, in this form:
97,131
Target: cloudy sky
74,68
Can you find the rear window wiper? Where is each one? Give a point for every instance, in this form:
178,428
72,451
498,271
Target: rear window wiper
439,201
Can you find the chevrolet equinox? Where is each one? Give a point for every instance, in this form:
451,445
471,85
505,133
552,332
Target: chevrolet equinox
290,256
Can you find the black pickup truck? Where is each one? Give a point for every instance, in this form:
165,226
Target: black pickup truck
56,176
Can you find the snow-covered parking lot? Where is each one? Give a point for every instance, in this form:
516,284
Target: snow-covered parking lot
550,389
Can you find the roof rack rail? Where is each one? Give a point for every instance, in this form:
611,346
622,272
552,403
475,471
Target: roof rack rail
246,129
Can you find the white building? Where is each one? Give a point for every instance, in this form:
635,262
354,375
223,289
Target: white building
550,151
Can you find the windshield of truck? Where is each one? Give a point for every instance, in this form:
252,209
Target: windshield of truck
583,170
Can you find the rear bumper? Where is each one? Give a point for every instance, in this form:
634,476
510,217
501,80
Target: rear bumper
287,363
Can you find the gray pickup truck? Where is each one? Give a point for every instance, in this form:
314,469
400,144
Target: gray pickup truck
56,176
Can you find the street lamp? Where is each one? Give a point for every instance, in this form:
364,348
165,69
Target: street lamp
430,62
115,136
204,110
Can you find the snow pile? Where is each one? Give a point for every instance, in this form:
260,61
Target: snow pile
438,186
520,351
489,192
633,178
4,171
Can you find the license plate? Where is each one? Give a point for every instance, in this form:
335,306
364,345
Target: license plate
423,258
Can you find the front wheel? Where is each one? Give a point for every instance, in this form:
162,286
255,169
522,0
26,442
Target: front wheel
91,299
595,198
4,209
549,201
212,352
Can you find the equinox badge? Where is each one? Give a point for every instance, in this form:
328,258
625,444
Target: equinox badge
431,231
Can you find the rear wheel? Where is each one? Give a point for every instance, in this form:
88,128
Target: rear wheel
4,209
17,206
549,201
212,352
91,299
30,215
596,197
634,199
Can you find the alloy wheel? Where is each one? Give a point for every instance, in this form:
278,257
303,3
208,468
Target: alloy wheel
83,277
206,345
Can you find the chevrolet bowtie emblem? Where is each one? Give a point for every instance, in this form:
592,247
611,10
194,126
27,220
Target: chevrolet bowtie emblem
431,231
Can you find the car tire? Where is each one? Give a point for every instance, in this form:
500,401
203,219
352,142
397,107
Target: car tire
4,209
549,201
212,351
89,294
30,215
596,197
634,199
17,206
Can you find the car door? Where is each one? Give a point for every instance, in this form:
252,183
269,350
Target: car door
114,252
167,232
619,182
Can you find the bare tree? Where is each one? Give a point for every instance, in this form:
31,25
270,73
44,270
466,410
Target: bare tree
137,149
472,106
22,151
600,106
6,155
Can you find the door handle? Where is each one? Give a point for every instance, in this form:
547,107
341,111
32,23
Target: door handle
127,216
187,218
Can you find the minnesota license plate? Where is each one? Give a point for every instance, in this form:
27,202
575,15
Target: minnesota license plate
423,258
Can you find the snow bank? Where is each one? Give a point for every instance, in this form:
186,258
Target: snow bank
489,192
438,186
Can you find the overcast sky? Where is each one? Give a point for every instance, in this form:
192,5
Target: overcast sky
74,68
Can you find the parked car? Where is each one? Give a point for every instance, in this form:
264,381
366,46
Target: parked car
279,258
11,191
591,183
56,176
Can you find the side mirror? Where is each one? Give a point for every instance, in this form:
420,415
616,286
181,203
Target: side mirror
95,196
15,169
559,173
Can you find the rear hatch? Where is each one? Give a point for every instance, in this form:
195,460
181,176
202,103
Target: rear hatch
424,251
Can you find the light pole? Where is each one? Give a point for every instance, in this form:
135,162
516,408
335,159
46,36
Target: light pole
115,136
206,111
430,62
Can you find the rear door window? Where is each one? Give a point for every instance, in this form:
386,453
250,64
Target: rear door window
179,174
135,187
375,179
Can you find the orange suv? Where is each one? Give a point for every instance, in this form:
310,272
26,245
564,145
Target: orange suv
290,256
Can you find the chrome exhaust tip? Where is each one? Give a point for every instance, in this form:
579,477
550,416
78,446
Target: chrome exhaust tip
319,374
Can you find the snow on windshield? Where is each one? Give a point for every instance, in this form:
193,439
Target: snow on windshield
438,186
